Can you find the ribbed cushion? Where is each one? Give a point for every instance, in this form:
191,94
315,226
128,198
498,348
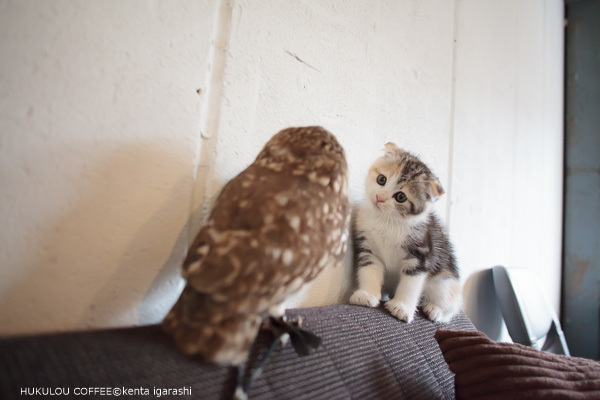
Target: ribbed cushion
366,353
489,370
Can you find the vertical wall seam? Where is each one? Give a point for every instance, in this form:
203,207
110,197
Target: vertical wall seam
562,282
214,79
515,138
450,182
210,113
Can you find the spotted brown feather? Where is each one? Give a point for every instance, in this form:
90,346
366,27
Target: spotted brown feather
273,228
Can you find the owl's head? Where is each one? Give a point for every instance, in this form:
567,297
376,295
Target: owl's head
400,183
305,149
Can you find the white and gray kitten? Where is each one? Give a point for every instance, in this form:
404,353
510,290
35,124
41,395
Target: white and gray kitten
400,244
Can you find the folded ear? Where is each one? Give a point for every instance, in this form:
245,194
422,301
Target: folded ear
391,149
435,189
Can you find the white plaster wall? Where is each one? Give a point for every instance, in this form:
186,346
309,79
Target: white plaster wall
99,126
506,189
109,157
370,73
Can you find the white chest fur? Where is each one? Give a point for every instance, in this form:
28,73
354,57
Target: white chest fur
385,234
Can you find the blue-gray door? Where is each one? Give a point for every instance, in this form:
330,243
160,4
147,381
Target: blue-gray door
581,271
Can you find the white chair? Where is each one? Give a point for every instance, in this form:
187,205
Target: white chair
529,317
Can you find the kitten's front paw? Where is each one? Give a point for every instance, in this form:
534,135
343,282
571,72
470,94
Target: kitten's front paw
401,310
363,298
436,313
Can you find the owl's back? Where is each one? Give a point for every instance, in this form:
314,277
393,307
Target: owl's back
273,228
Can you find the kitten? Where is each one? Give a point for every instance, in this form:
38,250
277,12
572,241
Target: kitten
400,244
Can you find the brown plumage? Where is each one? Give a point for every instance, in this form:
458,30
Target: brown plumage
273,228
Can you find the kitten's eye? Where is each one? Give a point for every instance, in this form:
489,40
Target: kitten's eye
381,180
400,197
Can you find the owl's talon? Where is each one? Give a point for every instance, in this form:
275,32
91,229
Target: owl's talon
284,339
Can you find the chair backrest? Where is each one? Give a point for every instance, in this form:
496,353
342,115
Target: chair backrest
529,317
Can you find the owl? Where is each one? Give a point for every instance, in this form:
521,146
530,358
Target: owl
272,229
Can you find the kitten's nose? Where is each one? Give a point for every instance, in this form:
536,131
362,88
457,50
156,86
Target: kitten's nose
379,199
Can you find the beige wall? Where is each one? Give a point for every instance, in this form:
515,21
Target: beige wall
109,156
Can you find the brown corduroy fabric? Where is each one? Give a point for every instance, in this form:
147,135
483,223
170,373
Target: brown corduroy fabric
485,369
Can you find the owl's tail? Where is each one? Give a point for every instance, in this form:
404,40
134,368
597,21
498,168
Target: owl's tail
199,325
